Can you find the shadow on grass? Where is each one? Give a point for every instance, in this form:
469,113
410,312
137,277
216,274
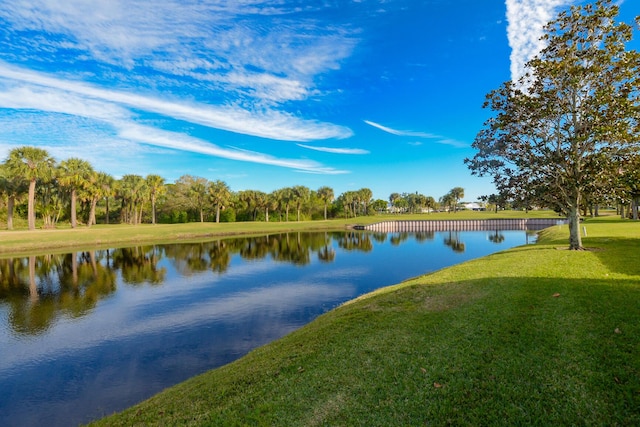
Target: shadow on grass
618,254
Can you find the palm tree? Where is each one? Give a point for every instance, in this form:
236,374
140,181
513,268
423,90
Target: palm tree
271,203
31,164
219,195
261,201
198,195
301,194
131,191
155,184
457,193
449,201
108,189
247,199
430,203
12,187
393,197
365,196
327,196
347,202
286,196
98,185
73,174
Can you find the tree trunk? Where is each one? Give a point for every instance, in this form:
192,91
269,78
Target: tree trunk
74,269
31,210
74,220
266,215
92,212
153,210
10,204
106,219
575,239
325,211
636,199
218,213
33,288
201,215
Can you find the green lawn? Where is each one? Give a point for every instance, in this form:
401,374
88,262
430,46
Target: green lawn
537,335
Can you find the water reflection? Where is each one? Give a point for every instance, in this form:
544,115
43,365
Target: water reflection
454,242
39,289
108,328
496,237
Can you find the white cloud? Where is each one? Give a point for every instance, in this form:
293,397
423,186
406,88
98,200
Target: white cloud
266,124
148,135
437,138
335,150
267,43
526,20
401,132
108,115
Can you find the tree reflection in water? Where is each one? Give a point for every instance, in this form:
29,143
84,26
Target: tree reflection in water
454,242
356,240
496,237
39,289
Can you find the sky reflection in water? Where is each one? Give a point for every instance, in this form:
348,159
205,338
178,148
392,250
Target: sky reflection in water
86,334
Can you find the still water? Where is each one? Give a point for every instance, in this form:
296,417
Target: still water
88,333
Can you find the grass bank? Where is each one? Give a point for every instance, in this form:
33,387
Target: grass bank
21,241
536,335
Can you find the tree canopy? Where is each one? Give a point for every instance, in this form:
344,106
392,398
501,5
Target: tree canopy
560,129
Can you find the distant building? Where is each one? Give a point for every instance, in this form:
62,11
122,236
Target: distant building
474,206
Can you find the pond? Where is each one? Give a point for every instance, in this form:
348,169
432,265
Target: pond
85,334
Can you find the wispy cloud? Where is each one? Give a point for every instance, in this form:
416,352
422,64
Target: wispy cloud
268,52
401,132
112,113
439,139
148,135
526,19
335,150
266,124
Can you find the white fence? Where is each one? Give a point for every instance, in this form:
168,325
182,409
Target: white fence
463,225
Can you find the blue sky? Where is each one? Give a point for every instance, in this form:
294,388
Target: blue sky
384,94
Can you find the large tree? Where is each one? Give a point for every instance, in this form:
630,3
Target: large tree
578,102
31,164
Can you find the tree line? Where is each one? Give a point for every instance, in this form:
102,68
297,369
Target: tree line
33,184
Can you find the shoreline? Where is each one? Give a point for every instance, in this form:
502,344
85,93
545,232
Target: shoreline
490,341
37,242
